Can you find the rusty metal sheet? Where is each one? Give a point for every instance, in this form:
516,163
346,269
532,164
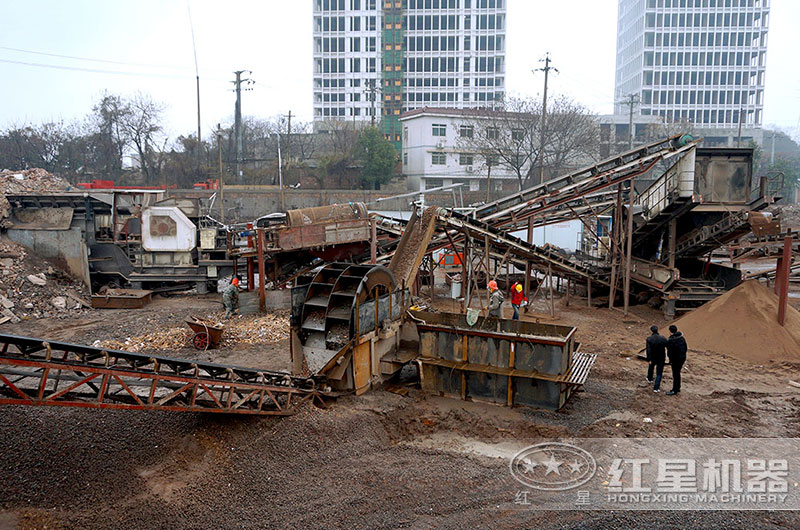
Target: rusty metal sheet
122,299
42,218
361,367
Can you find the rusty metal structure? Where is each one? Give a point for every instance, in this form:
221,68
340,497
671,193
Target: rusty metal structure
661,235
507,362
47,373
296,242
128,238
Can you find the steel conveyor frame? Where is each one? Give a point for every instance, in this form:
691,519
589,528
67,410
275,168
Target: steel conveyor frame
48,373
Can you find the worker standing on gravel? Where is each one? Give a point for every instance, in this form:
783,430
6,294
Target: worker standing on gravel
230,298
656,346
495,300
517,299
676,349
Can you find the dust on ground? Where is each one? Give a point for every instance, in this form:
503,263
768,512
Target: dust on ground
377,460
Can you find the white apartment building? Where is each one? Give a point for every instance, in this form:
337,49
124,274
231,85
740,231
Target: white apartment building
698,61
415,53
435,152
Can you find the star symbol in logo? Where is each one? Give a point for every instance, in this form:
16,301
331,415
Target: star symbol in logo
552,466
528,465
575,467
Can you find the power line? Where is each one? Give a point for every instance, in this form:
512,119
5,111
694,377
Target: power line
47,54
99,71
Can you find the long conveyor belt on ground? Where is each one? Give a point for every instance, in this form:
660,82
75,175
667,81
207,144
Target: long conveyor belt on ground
38,372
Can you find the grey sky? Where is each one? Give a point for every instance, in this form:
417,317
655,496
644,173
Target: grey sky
273,39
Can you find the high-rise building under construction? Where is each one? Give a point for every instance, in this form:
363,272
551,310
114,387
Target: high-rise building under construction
377,59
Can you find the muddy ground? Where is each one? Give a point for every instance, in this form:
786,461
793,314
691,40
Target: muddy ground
379,460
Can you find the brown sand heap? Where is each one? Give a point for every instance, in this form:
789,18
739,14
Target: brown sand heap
743,323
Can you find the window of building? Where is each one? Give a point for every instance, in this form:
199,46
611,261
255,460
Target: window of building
465,159
517,134
439,129
438,159
466,131
492,160
433,183
492,133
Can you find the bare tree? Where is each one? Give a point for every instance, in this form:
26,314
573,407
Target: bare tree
572,135
141,122
511,137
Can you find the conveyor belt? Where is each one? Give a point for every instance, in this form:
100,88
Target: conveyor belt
49,373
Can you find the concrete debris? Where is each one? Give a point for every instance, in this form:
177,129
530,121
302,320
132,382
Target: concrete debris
59,301
5,302
37,279
36,288
29,180
9,315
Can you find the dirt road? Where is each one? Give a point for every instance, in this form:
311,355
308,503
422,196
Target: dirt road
380,460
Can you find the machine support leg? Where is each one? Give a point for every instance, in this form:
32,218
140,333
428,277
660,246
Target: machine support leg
616,254
671,243
785,264
589,293
528,263
262,292
629,243
373,241
552,300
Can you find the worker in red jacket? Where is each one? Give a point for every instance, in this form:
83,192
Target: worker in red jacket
517,299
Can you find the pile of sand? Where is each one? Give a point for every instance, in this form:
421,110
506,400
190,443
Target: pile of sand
743,323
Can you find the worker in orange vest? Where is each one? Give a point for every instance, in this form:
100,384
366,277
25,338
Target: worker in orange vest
230,298
518,299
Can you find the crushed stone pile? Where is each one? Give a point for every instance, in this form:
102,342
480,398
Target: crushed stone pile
32,287
25,181
251,329
789,215
743,323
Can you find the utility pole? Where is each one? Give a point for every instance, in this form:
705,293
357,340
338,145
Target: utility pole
219,180
772,151
739,138
197,79
371,90
280,175
546,69
488,184
287,154
237,124
631,102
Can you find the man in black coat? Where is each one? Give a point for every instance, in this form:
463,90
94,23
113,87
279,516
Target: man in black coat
656,355
676,349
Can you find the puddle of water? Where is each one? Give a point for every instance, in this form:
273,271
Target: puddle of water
455,443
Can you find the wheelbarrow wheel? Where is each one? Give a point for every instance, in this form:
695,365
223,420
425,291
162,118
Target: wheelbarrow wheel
201,340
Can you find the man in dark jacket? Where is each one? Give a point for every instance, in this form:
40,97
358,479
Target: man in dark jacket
657,355
676,349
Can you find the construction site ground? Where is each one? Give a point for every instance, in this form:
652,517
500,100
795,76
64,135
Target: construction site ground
390,458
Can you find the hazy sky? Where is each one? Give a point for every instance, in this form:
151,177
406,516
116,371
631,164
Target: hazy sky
147,44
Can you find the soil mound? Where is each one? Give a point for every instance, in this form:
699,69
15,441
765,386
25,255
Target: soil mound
743,323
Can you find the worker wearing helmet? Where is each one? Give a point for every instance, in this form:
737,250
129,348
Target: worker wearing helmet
230,298
495,300
518,299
